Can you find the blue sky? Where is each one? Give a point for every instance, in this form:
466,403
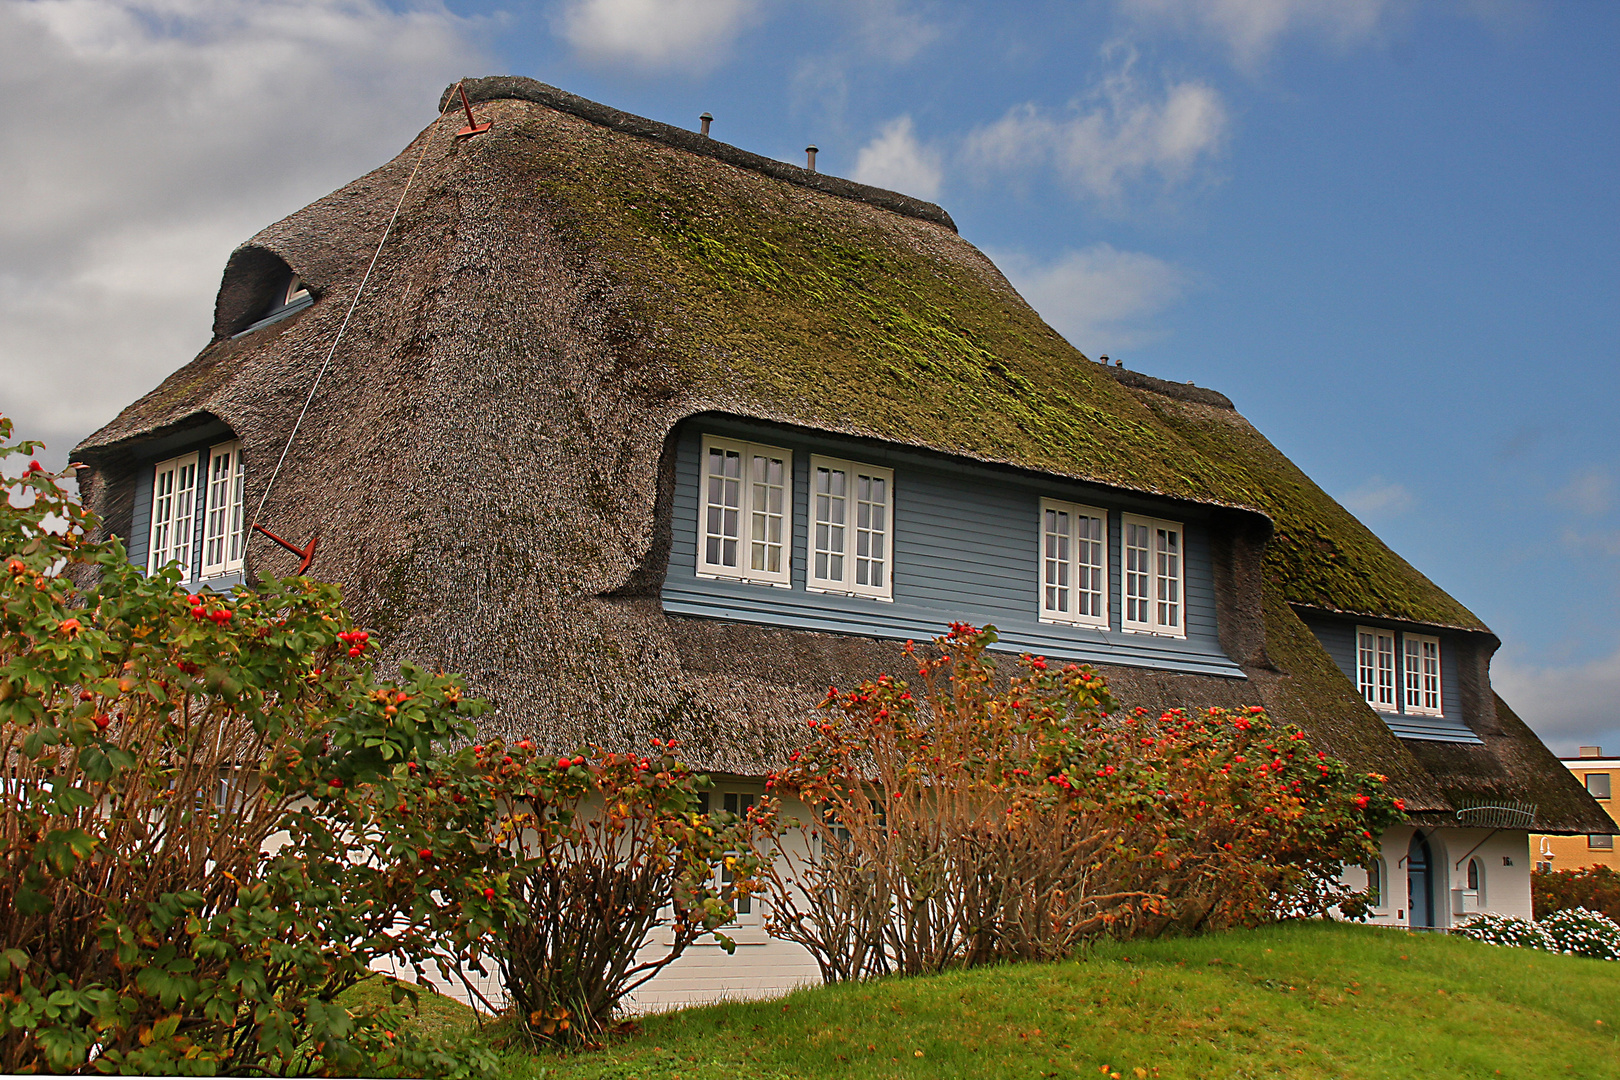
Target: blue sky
1388,230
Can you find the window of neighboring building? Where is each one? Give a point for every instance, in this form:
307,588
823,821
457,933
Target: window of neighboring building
1375,667
1152,569
1600,842
745,530
1422,674
174,510
1597,783
223,538
1074,563
852,514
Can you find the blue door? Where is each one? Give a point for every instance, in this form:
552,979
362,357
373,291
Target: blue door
1419,888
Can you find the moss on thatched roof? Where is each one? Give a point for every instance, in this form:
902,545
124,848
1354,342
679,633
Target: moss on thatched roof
485,459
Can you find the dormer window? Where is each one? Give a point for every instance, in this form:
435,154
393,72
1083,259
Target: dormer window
197,522
1375,667
1152,571
745,528
1074,564
1422,674
290,297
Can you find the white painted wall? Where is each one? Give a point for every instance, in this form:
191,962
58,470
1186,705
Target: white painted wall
1504,863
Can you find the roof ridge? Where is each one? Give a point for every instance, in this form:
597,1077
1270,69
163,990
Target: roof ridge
498,87
1180,391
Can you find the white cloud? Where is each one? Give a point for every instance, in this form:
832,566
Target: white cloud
1100,298
1589,492
1378,497
1252,28
147,138
688,35
1568,705
892,30
1120,133
896,160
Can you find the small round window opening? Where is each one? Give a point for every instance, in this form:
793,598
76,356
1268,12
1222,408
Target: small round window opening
296,290
288,298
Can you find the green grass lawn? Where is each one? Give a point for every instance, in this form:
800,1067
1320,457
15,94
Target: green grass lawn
1301,1000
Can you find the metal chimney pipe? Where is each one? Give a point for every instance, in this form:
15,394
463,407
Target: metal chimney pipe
810,154
707,120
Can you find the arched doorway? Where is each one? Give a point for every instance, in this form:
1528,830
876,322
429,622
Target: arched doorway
1419,882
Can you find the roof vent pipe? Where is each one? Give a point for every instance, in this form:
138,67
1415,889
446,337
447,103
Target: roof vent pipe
810,154
1119,363
706,120
1103,360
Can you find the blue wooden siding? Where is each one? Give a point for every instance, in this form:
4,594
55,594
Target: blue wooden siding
965,547
1338,637
138,542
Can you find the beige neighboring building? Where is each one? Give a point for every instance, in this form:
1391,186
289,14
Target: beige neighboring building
1601,777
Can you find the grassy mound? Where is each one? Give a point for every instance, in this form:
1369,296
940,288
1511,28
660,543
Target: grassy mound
1305,1000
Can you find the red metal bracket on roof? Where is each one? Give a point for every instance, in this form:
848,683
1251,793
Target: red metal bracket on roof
308,553
473,126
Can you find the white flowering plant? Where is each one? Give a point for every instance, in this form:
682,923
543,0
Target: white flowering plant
1582,932
1506,930
1575,931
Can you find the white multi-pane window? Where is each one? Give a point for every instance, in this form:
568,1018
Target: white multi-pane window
1422,674
1074,563
1375,667
223,538
851,522
1153,575
174,514
745,528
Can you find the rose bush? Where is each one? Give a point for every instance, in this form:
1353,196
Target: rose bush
965,819
605,849
216,819
197,858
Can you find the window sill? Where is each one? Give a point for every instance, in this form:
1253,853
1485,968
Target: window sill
1181,636
823,590
1053,620
285,312
744,580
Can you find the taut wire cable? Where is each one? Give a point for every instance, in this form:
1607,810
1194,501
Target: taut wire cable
358,293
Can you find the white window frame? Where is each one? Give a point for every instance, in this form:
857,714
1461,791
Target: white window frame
1166,609
748,516
1421,682
223,526
172,535
825,538
1376,668
1062,571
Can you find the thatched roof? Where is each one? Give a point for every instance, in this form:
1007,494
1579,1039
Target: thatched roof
486,459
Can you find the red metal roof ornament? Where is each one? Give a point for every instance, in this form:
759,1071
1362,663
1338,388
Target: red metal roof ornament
308,553
473,126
